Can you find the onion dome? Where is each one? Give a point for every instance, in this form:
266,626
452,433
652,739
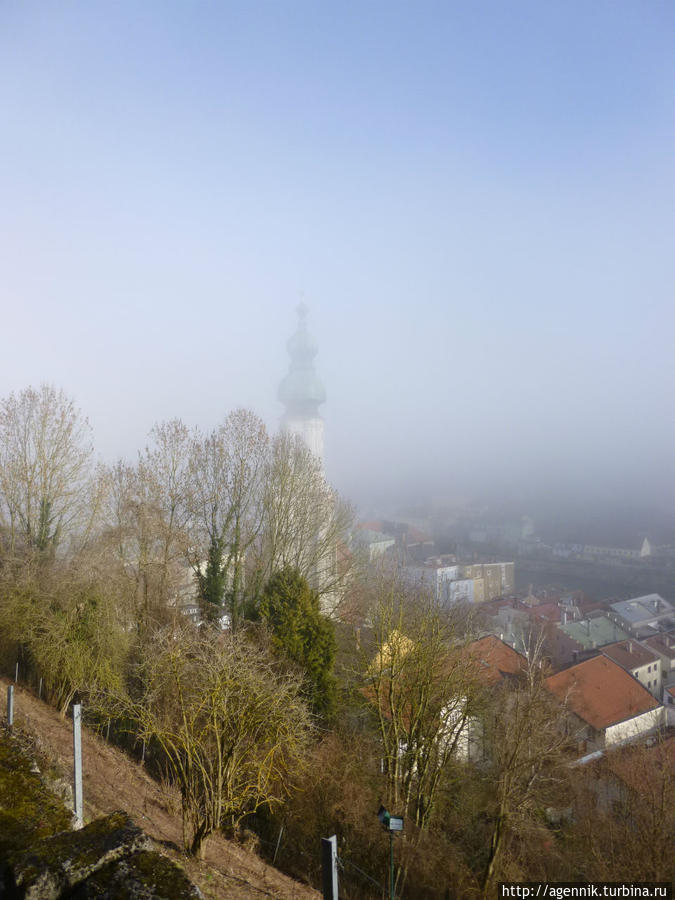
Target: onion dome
301,391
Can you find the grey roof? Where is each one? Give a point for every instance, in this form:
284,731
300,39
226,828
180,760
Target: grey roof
643,609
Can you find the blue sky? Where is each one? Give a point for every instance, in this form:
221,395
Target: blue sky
476,201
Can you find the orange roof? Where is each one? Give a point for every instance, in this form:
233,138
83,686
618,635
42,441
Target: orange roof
496,659
600,692
416,536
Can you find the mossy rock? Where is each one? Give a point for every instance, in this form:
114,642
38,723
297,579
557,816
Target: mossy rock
55,864
144,876
110,858
28,809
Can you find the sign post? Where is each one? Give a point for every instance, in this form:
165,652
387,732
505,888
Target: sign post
394,825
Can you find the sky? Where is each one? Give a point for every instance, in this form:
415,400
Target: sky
476,202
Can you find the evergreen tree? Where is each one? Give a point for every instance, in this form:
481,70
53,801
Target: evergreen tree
212,580
291,609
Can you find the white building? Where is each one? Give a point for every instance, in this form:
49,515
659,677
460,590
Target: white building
643,616
436,579
640,662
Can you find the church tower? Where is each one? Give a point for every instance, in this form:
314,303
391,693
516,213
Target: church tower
301,391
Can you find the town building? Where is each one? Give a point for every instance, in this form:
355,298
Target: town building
375,543
644,616
494,664
640,662
499,578
573,641
605,706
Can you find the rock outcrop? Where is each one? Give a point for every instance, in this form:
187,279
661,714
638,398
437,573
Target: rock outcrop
110,858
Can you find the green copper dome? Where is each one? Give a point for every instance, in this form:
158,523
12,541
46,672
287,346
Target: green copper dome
301,391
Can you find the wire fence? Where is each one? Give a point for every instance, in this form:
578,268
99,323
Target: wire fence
355,882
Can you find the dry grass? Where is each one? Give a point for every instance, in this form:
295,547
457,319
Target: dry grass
113,781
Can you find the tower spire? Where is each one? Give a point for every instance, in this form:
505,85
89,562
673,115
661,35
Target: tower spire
301,391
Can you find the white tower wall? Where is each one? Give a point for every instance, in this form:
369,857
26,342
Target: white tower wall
310,431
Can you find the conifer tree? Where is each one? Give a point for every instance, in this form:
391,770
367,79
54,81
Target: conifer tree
299,632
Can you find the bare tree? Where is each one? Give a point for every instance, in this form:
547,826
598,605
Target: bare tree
229,727
45,470
527,761
227,478
147,519
624,814
165,466
423,688
305,523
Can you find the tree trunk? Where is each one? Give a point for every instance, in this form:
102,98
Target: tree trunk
198,845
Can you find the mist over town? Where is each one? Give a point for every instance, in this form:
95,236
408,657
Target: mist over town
337,495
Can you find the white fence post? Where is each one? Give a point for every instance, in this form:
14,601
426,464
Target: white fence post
77,765
329,868
10,705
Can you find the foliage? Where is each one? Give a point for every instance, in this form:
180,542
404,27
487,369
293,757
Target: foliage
146,525
527,767
423,690
305,523
66,626
226,497
230,728
625,815
45,467
212,581
291,609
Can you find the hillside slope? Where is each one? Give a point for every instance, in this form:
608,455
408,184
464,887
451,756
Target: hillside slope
112,781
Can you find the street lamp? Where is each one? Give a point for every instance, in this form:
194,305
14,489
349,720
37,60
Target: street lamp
392,824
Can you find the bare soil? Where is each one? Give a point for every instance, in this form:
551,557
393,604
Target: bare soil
112,781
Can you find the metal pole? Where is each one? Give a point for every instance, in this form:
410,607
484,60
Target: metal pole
10,705
329,868
77,765
40,689
391,865
16,673
276,849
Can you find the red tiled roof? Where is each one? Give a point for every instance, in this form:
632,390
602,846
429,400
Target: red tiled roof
629,654
495,659
549,612
415,536
600,692
663,644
